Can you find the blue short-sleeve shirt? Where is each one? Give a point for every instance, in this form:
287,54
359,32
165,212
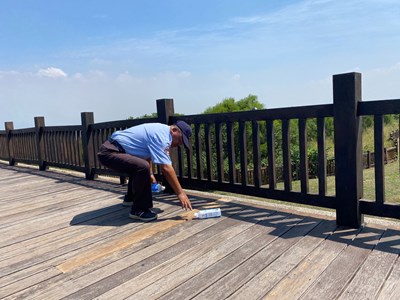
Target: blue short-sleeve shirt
150,140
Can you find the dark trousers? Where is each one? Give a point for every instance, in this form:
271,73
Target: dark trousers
138,169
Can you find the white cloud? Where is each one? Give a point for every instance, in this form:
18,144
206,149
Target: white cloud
184,74
52,72
236,77
382,83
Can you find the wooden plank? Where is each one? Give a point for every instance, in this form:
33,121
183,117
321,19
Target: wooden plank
145,248
17,286
271,229
99,218
46,203
66,222
17,228
58,234
33,225
175,271
137,262
222,288
122,242
87,216
370,278
308,270
221,228
261,283
338,274
25,187
391,288
68,202
65,250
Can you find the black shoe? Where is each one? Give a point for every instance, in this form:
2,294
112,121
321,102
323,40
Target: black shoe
143,215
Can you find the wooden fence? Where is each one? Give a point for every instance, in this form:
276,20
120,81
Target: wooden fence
221,143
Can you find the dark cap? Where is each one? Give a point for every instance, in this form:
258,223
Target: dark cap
186,132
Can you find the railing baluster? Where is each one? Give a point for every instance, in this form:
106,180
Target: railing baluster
322,184
256,154
189,161
219,149
303,156
379,160
287,162
199,162
243,152
207,138
231,153
271,155
180,162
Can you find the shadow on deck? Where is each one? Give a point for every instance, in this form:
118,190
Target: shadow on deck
65,237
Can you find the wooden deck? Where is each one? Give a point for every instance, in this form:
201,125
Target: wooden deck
63,237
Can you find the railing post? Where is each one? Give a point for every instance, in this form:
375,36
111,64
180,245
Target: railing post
9,126
39,127
87,145
348,148
165,109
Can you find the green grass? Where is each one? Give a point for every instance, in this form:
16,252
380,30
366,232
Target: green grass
392,184
392,189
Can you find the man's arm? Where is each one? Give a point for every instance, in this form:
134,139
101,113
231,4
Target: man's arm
170,175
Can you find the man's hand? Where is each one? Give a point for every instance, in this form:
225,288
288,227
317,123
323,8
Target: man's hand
169,174
185,202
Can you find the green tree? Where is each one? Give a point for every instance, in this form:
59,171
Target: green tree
152,115
231,105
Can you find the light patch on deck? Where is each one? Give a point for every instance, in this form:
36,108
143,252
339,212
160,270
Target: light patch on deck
123,242
224,200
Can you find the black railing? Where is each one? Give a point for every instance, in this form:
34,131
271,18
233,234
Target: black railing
226,146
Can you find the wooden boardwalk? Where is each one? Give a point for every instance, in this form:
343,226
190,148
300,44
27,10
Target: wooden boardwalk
63,237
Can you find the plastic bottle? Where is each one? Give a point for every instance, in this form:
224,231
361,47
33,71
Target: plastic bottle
208,213
157,188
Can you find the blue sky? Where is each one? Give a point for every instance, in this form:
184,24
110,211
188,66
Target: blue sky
115,58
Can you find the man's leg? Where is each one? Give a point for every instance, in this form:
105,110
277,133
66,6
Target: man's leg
139,185
129,195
